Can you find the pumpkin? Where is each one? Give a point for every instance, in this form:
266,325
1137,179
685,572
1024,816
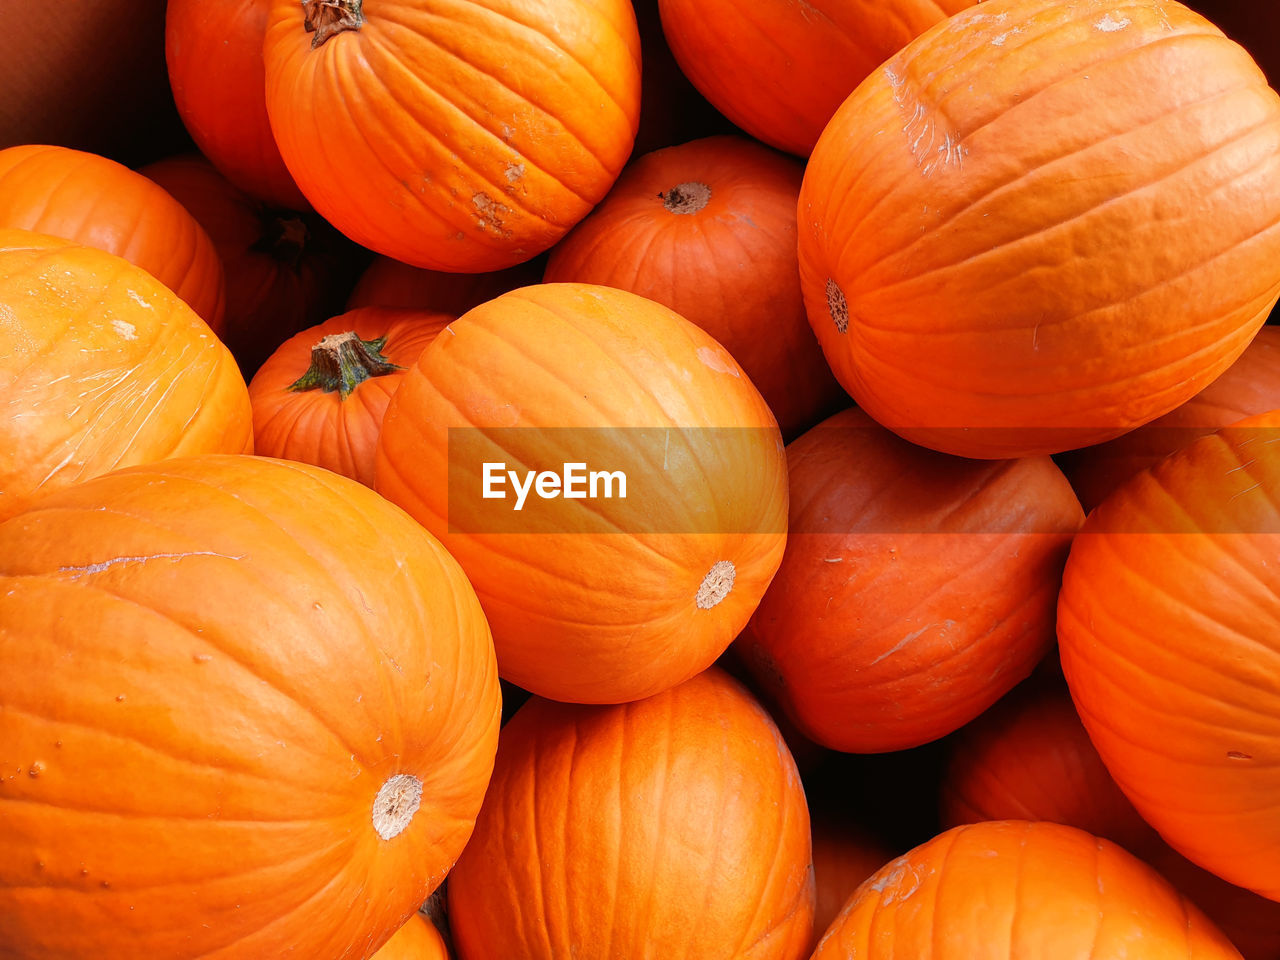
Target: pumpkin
1169,632
390,283
321,396
213,51
916,588
463,137
1250,386
222,722
416,940
102,367
95,201
1007,889
1005,252
674,826
1253,25
284,270
643,577
844,855
709,229
779,69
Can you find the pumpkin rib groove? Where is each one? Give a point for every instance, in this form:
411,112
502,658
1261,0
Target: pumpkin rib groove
1097,925
64,807
1015,896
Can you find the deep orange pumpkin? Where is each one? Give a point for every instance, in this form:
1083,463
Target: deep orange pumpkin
102,367
675,826
844,855
416,940
390,283
709,229
1005,251
780,69
459,136
320,398
916,588
614,597
221,722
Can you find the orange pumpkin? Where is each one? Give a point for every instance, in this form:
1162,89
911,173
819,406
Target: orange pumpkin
675,826
709,229
102,367
916,588
97,202
844,855
222,721
390,283
416,940
1005,252
780,69
1007,889
463,137
321,396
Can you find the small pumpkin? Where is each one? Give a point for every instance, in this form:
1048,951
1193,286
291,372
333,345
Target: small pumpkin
416,940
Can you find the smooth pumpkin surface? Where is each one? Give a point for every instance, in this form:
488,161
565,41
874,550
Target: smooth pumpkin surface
674,826
224,721
102,367
416,940
844,855
1004,251
390,283
607,598
95,201
457,135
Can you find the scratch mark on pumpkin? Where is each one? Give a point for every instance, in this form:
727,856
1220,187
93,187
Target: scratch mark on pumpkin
945,625
1109,24
929,141
137,298
1245,490
666,445
125,329
716,360
92,568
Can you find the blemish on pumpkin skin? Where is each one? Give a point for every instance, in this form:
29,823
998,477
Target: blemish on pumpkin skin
714,360
126,330
493,213
514,172
1109,24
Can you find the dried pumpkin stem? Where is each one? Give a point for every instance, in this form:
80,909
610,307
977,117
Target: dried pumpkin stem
327,18
686,198
342,361
284,237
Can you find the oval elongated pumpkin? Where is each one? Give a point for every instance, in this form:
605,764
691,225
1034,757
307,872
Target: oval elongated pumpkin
674,826
102,367
1004,251
459,136
644,576
221,721
95,201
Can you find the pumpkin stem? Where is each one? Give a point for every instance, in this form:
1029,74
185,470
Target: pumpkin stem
837,306
686,198
342,361
327,18
284,237
716,584
395,805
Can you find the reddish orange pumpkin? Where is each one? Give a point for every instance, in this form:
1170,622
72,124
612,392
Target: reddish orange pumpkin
675,826
416,940
321,397
97,202
1005,252
463,137
603,597
223,721
916,588
102,367
1007,889
390,283
213,49
708,228
844,856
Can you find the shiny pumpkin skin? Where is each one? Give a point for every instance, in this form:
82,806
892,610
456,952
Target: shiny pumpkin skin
916,588
1169,633
1008,889
673,826
88,359
416,940
95,201
202,708
1005,252
607,599
463,137
725,259
324,427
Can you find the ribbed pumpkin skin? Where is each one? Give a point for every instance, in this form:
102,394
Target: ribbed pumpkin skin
416,940
916,588
324,428
726,261
780,69
390,283
102,367
95,201
202,706
1005,252
671,827
458,135
1169,632
1009,889
595,600
213,50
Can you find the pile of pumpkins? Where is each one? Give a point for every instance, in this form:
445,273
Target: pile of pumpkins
929,606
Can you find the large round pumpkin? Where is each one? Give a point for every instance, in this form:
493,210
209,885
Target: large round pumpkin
250,710
675,826
645,575
1006,250
102,367
460,136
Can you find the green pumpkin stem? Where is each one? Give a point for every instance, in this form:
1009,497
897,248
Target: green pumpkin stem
342,361
327,18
